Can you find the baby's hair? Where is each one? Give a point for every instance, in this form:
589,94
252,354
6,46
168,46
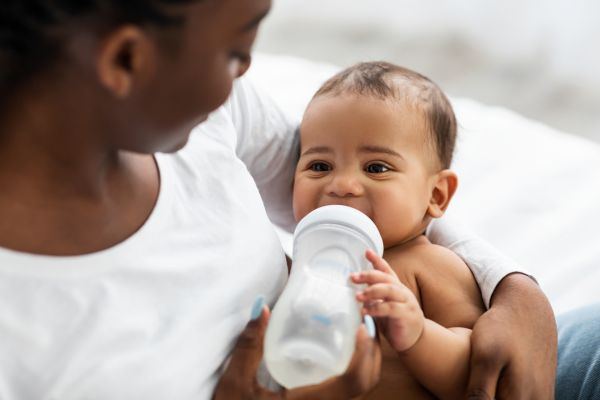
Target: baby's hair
30,30
383,80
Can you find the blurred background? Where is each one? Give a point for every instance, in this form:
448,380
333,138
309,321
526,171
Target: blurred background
539,58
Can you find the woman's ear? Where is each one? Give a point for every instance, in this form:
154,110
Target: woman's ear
445,183
126,58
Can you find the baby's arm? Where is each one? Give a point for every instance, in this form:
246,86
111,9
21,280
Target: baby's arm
438,357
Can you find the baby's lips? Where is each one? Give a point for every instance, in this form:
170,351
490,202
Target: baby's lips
348,202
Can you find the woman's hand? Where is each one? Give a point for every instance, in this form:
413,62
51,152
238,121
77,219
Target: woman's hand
239,380
396,308
514,344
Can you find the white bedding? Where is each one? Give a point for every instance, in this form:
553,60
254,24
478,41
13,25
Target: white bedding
531,191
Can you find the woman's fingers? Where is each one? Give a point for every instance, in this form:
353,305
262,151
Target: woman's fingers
364,369
359,378
248,350
239,378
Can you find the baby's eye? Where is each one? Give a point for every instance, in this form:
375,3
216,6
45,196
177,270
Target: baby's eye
319,167
376,168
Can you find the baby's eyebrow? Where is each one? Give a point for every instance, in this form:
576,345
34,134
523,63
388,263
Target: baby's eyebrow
380,149
317,150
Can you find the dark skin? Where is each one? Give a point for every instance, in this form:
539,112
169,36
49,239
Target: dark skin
503,367
76,144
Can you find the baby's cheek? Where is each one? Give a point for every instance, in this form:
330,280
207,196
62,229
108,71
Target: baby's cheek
384,235
296,202
297,215
302,201
300,211
390,232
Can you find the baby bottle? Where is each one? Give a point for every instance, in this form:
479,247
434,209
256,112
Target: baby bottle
312,331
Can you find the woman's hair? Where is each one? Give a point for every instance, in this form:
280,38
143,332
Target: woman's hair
30,30
387,81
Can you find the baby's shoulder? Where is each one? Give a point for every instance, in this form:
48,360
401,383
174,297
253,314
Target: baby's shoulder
420,255
411,261
442,280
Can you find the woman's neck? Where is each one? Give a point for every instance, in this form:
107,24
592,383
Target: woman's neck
49,139
64,190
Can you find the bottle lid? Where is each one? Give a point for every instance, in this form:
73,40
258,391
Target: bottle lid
344,216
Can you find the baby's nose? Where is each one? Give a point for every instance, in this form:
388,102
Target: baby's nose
345,185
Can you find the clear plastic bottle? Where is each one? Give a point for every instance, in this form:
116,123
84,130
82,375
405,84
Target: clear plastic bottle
312,331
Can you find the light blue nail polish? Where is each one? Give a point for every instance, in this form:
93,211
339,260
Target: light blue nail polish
257,307
370,325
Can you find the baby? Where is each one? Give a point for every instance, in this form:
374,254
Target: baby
379,138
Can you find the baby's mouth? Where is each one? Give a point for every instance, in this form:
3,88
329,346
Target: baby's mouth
349,202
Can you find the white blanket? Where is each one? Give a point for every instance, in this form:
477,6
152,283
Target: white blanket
531,191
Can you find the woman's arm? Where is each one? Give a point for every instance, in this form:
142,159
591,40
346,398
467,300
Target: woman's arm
514,342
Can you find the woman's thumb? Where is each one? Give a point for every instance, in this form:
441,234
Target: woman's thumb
248,350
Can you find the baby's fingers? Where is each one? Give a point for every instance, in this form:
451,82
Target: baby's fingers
379,263
384,292
373,277
388,309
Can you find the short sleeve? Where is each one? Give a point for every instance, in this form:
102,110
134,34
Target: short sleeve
488,265
267,144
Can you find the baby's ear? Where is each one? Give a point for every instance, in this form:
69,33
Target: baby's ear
444,187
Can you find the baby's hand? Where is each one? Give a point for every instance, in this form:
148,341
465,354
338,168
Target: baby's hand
396,308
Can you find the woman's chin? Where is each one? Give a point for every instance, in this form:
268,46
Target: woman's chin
175,146
183,136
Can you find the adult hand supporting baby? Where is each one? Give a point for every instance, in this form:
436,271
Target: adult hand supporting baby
239,380
514,344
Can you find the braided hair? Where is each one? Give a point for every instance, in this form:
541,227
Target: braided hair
29,29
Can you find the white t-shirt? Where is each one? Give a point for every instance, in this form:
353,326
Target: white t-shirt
155,316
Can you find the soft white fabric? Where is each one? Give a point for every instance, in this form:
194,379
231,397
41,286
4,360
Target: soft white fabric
530,191
155,316
489,265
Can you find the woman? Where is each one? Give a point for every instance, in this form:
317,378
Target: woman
125,273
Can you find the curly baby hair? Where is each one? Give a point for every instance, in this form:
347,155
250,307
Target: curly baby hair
385,81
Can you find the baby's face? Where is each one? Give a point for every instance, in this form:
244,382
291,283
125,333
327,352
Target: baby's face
369,154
